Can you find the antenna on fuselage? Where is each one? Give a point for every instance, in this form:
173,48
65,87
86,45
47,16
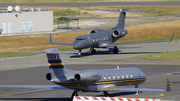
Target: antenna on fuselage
117,67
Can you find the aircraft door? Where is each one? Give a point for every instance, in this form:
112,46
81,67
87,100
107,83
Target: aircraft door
4,27
90,40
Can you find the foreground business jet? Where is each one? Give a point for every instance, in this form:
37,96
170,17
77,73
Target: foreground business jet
88,80
99,38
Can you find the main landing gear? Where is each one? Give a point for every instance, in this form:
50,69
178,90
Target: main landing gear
115,50
105,94
137,92
74,94
93,51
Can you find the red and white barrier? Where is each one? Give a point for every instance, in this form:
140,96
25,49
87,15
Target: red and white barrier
84,98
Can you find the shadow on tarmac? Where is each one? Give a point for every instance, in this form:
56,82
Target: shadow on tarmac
63,99
108,52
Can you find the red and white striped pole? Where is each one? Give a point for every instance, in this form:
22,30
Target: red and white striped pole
84,98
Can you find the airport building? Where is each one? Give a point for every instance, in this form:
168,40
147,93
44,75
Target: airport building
26,20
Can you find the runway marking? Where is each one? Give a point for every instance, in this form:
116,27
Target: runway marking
158,75
16,93
85,60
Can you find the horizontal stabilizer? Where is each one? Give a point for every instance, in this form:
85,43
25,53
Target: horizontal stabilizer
36,86
50,42
50,50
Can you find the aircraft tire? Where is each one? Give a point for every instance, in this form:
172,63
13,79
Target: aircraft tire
93,51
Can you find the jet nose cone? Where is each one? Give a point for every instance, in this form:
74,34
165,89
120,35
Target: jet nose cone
79,45
75,46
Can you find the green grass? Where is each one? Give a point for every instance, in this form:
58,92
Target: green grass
169,56
66,1
67,12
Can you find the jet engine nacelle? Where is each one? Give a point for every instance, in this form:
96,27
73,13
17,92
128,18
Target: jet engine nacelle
96,30
88,76
48,76
119,33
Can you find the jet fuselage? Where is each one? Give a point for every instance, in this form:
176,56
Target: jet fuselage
100,80
97,39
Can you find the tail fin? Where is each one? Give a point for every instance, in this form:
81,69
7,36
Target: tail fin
56,65
121,19
168,87
122,16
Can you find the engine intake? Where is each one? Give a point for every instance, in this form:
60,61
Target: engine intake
88,76
119,33
48,76
116,33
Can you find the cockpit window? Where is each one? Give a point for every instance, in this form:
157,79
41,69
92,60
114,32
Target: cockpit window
80,39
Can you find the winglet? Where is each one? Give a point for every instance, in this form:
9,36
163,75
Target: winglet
168,88
171,37
50,39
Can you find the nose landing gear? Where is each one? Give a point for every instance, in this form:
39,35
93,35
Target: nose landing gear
79,54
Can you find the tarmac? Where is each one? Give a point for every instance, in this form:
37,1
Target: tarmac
32,70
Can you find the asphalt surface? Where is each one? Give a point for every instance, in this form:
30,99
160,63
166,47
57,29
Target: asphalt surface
156,79
170,3
32,70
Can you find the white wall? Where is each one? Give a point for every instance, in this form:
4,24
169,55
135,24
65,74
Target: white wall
42,21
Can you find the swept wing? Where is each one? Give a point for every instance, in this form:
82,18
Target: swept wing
36,86
126,44
67,44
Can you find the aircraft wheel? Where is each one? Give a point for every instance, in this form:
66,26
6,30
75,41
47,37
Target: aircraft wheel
74,94
93,51
136,86
115,51
79,54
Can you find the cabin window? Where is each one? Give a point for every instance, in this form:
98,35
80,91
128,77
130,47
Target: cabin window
93,40
106,37
131,76
80,39
99,39
127,76
118,77
109,77
96,40
114,77
122,77
104,78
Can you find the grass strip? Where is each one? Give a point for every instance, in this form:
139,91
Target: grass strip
169,56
